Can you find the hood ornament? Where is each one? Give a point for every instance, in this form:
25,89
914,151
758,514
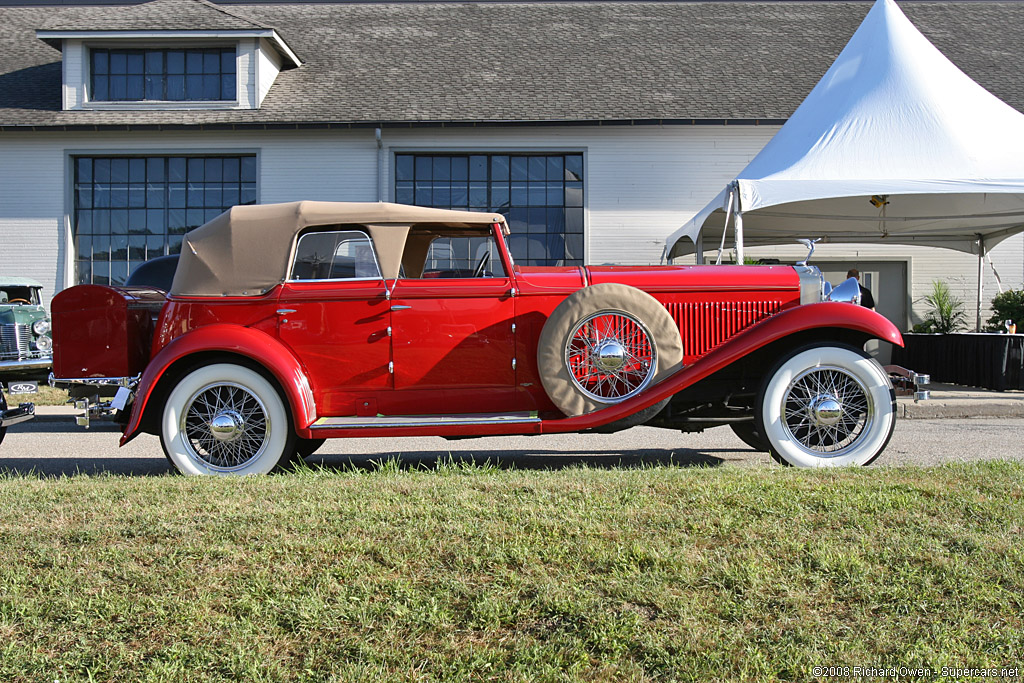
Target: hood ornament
810,246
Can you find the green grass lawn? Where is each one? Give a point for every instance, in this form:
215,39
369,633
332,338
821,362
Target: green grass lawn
481,574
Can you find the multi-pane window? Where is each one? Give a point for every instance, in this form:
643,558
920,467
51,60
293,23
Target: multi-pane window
541,196
194,74
131,209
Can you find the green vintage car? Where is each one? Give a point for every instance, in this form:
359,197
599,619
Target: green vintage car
26,348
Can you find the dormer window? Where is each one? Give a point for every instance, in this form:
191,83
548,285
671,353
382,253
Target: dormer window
209,58
163,75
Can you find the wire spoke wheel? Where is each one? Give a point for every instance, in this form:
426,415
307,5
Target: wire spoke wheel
225,425
826,410
611,356
225,419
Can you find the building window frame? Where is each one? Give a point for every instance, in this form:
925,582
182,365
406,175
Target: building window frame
545,231
167,68
139,238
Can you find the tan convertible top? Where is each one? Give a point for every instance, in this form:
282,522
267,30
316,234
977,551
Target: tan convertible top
246,250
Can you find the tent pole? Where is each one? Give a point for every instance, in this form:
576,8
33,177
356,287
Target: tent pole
981,284
739,232
725,230
739,238
700,248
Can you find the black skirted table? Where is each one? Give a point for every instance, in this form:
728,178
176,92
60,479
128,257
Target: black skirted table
992,361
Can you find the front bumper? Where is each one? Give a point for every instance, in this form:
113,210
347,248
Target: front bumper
23,365
13,416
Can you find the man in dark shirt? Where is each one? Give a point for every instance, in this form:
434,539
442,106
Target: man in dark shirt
866,299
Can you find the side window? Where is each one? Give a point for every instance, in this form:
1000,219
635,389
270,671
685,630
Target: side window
336,255
452,255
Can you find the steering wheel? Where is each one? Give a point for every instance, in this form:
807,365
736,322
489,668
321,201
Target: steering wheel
19,301
481,266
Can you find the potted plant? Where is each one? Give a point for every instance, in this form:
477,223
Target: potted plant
946,311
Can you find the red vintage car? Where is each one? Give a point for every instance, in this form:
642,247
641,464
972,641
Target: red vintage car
289,324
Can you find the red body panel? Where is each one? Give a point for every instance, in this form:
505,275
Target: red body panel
539,291
339,333
184,315
710,279
121,319
453,336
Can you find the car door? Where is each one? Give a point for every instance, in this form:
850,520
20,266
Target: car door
333,313
453,316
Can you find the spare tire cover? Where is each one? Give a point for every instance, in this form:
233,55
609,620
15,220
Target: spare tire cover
605,297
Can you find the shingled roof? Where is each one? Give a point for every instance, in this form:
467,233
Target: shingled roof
157,15
408,63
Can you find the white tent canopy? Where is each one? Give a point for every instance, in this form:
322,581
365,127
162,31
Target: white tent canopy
892,120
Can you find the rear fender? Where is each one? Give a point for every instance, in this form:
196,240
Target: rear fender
820,316
259,347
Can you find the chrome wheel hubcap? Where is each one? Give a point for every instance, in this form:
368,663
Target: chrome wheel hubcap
826,410
610,356
225,426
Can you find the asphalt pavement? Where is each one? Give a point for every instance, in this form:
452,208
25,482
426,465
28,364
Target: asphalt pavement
957,425
55,449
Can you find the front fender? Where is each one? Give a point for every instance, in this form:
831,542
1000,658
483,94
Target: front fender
243,341
791,321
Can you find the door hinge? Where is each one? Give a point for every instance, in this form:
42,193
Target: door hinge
391,367
513,328
513,363
389,330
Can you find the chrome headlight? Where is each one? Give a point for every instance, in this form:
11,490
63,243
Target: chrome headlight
847,291
44,344
41,326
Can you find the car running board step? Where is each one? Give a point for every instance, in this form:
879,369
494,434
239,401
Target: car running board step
355,422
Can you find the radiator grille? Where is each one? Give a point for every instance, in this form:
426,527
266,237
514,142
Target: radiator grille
14,341
705,325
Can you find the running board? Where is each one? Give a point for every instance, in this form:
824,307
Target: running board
423,420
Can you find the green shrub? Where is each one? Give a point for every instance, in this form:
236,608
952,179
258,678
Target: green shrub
1008,305
946,312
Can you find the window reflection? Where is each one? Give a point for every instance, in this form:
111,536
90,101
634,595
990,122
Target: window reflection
540,195
132,209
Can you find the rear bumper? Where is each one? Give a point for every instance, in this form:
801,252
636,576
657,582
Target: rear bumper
22,365
13,416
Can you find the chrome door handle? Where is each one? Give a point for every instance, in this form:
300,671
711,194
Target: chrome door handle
399,307
285,311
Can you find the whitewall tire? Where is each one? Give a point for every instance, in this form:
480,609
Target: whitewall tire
226,419
826,406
